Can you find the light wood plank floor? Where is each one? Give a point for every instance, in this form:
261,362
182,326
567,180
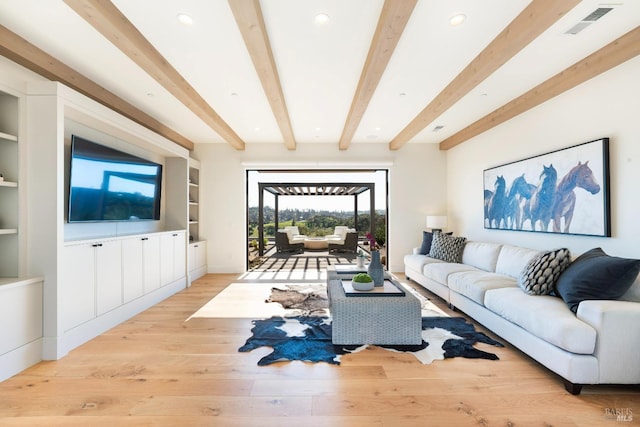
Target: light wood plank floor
161,369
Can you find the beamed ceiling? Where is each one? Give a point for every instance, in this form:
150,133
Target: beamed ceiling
250,72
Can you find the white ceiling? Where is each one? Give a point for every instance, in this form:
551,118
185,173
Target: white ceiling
319,66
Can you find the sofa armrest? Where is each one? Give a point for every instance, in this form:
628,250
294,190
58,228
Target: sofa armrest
617,324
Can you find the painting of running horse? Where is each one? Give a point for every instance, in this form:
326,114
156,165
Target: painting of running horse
564,191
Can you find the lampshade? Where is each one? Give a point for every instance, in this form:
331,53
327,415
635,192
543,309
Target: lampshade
436,222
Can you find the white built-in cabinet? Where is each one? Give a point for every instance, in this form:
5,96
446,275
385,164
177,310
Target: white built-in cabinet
97,275
102,275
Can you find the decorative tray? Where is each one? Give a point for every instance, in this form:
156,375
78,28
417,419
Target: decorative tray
349,269
388,289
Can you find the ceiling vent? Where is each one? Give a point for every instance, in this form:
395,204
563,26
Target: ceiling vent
437,128
590,19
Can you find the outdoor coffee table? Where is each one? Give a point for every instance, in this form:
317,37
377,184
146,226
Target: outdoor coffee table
373,317
316,243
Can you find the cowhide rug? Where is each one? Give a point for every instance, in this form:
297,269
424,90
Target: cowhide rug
309,303
308,338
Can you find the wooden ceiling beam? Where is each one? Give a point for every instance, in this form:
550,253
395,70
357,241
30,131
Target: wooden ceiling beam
391,24
537,17
250,21
612,55
22,52
113,25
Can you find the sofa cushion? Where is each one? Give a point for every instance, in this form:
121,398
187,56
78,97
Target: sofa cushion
540,275
440,271
633,294
513,259
427,238
481,255
544,316
594,275
474,284
447,248
416,261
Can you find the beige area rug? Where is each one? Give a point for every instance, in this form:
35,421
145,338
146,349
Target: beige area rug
248,300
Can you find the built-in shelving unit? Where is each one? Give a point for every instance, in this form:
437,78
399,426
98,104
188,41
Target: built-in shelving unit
194,200
197,246
9,197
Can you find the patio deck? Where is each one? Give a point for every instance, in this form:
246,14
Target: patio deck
307,265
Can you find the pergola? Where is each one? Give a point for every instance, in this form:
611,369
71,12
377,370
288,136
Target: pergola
314,189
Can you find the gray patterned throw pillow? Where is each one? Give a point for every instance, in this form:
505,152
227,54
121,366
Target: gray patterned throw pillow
447,248
541,273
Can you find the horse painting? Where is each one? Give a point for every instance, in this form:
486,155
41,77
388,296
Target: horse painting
561,192
519,192
564,203
542,200
496,204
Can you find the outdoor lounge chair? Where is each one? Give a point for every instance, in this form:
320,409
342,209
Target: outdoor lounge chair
350,243
283,245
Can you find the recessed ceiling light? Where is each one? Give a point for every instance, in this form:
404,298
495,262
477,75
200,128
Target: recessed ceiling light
457,19
321,18
185,19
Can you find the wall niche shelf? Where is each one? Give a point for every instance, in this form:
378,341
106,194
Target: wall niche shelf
10,241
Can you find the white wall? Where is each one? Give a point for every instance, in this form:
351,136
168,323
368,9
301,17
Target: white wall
606,106
416,181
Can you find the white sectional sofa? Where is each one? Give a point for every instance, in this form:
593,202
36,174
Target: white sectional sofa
599,344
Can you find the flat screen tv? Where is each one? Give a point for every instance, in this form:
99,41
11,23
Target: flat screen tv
110,185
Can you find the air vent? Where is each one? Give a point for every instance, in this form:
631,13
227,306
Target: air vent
598,13
437,128
590,19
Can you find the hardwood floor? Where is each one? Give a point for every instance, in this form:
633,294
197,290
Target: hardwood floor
161,368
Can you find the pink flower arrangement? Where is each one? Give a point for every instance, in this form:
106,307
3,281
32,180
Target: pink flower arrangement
372,242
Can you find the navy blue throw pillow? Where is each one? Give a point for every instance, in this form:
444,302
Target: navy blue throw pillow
427,238
594,275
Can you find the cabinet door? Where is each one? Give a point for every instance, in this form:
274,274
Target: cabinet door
77,285
151,263
166,258
197,255
201,255
132,269
179,256
108,276
173,257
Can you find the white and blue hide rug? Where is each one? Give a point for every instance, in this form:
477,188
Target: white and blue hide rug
308,339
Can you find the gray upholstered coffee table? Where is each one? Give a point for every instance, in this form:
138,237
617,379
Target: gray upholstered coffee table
383,320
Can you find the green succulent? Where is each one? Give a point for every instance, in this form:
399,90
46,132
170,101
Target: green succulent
362,278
